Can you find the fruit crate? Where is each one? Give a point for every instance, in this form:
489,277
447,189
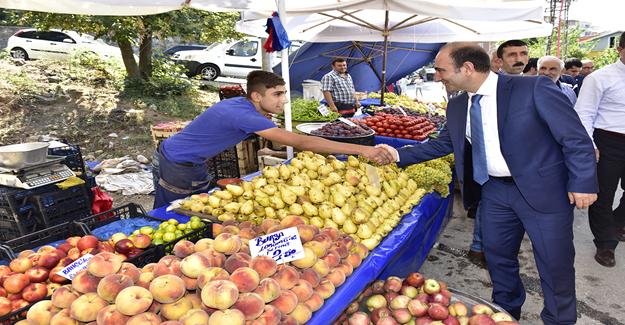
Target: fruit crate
153,253
247,154
73,158
11,248
165,130
224,165
64,205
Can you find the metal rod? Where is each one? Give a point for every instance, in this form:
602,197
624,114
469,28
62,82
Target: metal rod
288,124
368,59
384,58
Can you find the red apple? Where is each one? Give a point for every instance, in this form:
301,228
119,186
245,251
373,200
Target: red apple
124,246
16,282
34,292
414,279
37,274
141,241
86,242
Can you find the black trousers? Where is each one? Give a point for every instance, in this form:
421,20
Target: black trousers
604,222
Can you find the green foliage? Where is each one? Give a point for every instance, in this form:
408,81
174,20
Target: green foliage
305,110
21,83
606,57
5,54
574,49
91,68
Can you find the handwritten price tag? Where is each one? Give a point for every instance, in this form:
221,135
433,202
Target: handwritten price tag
70,271
346,121
323,109
283,246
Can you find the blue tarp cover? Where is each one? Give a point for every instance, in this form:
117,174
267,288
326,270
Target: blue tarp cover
313,60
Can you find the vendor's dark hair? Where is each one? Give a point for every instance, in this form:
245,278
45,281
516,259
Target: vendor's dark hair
572,62
513,42
260,81
621,41
531,63
466,52
338,60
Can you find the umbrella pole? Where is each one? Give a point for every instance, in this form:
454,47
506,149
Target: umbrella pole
288,124
384,58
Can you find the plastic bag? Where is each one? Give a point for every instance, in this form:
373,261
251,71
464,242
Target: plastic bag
101,201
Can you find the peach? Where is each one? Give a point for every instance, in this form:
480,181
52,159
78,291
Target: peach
337,277
189,283
324,239
340,248
245,248
286,276
332,258
167,288
171,322
155,307
291,221
227,243
270,316
63,318
217,228
315,302
195,300
175,310
86,307
51,288
37,274
148,267
193,265
211,274
24,253
103,264
204,244
46,249
268,289
325,289
183,248
18,304
40,313
360,249
264,265
167,266
303,290
141,241
133,300
144,319
354,260
231,229
130,270
245,278
321,267
64,296
109,315
85,282
236,261
317,247
194,317
214,258
220,294
288,320
34,292
268,223
110,286
50,259
301,313
86,242
21,264
54,277
311,276
228,316
15,283
145,279
246,234
309,259
307,232
346,268
286,302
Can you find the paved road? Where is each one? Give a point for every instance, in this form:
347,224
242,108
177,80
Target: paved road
600,290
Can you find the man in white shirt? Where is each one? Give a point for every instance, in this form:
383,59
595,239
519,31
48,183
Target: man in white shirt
601,108
551,67
521,151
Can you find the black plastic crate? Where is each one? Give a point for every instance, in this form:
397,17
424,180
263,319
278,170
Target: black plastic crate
153,253
63,205
224,165
40,238
73,157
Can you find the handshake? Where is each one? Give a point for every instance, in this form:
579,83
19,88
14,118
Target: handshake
381,154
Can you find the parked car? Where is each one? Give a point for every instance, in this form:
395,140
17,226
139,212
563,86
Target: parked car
232,58
172,50
56,45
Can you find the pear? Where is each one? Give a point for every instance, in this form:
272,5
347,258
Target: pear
235,189
310,210
285,172
296,209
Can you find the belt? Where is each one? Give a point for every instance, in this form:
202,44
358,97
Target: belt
621,135
505,179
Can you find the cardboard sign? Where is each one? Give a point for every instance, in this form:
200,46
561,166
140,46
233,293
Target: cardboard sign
283,246
70,271
323,109
346,121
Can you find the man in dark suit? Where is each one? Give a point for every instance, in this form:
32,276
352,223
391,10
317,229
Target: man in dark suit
520,148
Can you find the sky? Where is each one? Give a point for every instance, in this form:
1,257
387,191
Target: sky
606,14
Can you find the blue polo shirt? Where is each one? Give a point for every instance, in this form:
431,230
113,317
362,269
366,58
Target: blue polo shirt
220,127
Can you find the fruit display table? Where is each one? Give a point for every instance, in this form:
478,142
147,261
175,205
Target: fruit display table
396,142
403,251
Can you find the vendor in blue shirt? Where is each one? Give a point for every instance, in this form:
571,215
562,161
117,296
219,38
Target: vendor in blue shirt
182,170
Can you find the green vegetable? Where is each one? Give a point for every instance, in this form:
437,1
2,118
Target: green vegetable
305,110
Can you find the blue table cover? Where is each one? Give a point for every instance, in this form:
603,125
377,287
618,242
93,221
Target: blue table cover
396,142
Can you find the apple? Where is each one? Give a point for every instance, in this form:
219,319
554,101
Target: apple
20,264
34,292
117,237
87,242
5,306
37,274
414,279
431,286
142,241
124,246
16,282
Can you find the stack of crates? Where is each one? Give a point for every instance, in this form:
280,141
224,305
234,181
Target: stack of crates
165,130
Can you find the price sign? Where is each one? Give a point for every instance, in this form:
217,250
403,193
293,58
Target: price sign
323,109
346,121
283,246
70,271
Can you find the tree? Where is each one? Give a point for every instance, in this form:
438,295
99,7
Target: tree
188,24
607,56
574,49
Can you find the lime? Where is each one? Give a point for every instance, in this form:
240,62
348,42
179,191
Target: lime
179,233
158,235
170,228
163,225
182,226
158,242
146,230
196,224
195,218
169,236
172,221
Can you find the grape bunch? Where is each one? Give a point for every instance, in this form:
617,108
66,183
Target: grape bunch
340,129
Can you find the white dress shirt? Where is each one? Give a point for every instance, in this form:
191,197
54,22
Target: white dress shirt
497,165
601,100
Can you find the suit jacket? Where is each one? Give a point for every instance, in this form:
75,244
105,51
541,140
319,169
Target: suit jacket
541,139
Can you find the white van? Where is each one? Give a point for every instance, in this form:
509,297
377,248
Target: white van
232,59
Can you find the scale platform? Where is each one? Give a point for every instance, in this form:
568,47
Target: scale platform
27,177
